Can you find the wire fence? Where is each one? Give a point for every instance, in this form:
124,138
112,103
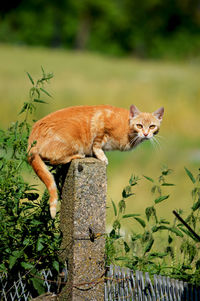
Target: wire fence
19,290
121,284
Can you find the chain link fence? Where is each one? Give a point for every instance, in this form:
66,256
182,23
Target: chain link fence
120,284
123,284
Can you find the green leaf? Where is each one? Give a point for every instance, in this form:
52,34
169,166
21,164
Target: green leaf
163,227
126,247
149,245
149,179
43,72
31,107
26,265
24,108
26,241
170,239
31,196
32,81
56,265
146,236
161,198
116,225
176,231
136,237
13,258
114,208
2,268
39,245
36,223
170,251
198,264
133,180
122,258
156,228
190,175
167,184
194,193
38,285
166,171
47,93
149,211
112,233
130,215
40,101
159,255
163,221
140,221
153,189
122,206
188,233
196,205
127,192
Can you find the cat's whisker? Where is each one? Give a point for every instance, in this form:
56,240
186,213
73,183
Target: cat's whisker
160,137
157,143
157,140
134,140
153,143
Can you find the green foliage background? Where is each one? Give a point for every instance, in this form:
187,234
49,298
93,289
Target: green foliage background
150,28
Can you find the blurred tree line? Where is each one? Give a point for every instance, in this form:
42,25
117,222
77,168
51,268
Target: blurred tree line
148,28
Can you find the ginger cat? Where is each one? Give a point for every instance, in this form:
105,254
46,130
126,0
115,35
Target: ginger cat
76,132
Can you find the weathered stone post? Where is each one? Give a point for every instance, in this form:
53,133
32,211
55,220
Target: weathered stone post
83,213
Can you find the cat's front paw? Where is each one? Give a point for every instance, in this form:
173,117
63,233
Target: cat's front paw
100,155
105,160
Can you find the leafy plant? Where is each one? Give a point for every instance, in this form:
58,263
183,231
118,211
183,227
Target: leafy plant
143,251
30,239
119,211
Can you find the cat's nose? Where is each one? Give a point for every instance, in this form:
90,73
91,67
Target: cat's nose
145,134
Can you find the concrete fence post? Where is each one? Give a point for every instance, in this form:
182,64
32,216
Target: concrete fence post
83,214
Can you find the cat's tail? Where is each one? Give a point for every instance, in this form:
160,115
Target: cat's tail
47,178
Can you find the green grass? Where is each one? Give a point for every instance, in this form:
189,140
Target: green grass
84,78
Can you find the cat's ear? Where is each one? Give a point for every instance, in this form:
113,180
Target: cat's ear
134,111
159,113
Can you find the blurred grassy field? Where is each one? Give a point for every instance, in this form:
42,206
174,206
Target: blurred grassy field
84,78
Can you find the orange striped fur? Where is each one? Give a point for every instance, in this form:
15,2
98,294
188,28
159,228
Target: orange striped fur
76,132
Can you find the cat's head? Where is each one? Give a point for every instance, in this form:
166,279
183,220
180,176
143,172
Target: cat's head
145,125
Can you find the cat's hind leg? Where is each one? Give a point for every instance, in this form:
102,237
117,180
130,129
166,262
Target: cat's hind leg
68,159
59,152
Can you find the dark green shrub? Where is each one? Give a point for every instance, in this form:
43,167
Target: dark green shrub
30,239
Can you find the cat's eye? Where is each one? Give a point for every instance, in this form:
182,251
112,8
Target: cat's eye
152,126
139,126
